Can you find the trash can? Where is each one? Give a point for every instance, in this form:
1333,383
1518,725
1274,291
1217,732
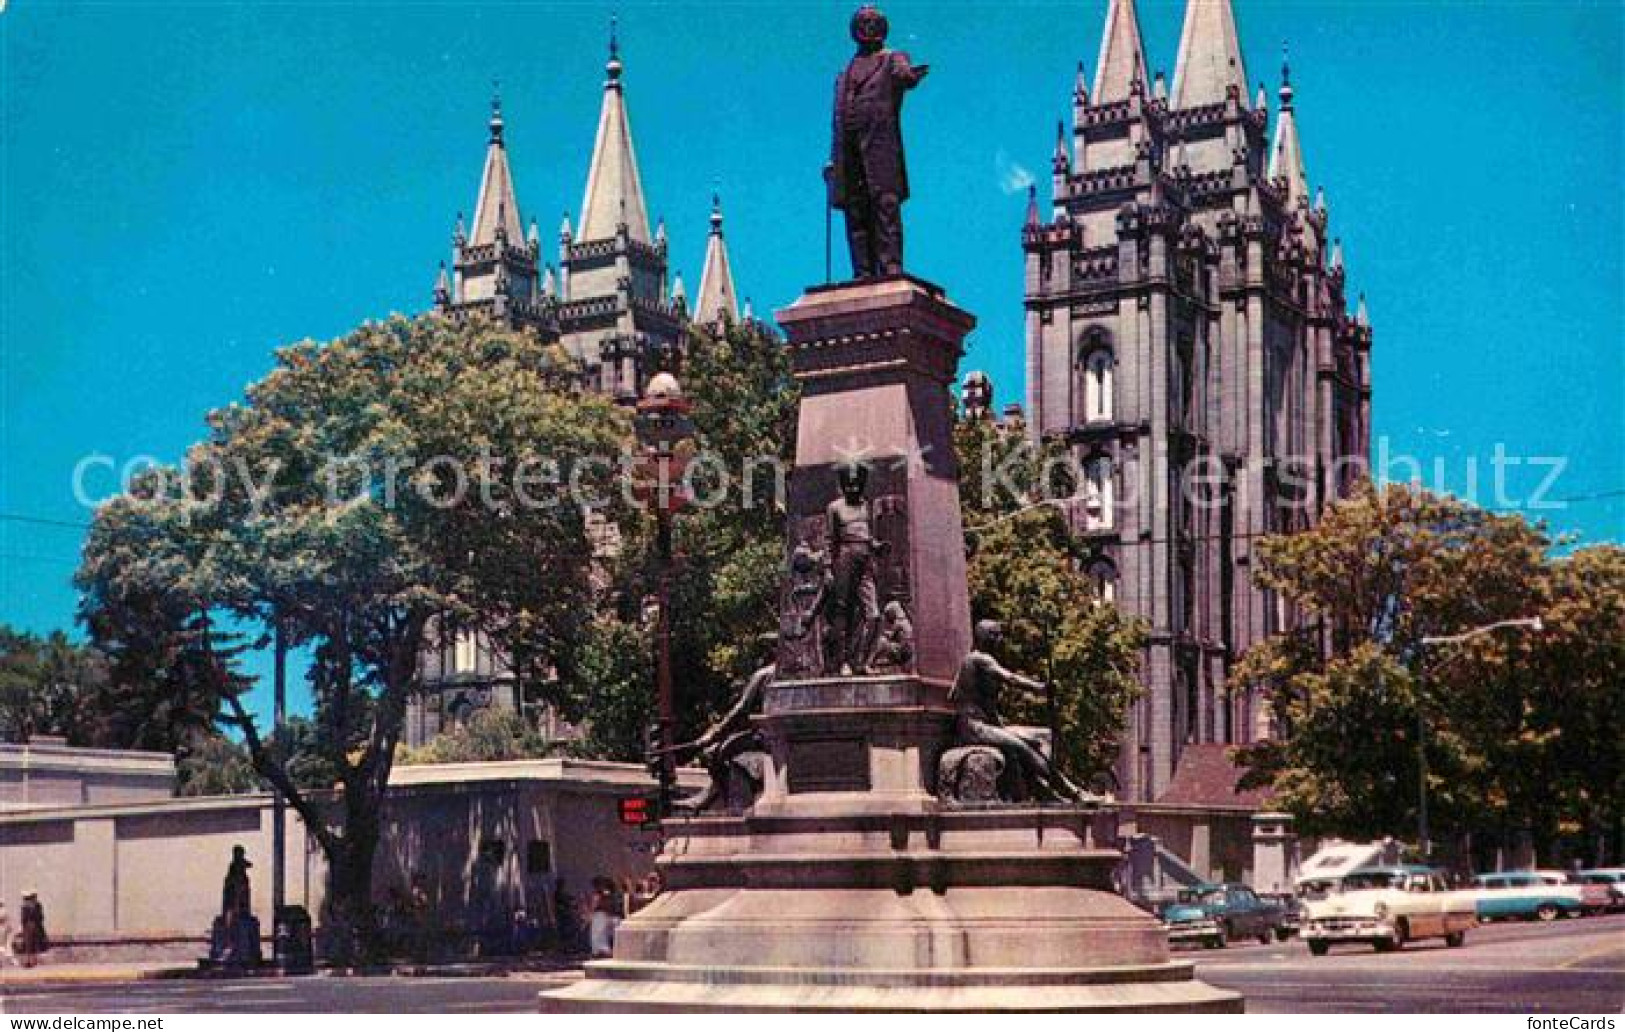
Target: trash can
292,943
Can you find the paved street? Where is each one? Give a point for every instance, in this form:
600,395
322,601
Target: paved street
1569,966
1573,966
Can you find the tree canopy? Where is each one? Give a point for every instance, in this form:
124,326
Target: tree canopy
410,471
1504,722
1026,570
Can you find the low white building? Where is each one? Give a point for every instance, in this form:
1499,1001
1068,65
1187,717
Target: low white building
144,872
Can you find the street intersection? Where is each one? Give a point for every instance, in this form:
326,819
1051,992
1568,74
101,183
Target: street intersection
1575,966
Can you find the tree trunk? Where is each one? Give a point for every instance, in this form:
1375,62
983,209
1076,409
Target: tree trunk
351,922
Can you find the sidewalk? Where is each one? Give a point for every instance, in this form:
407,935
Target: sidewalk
87,973
90,973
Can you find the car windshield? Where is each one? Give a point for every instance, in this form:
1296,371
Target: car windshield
1372,880
1216,896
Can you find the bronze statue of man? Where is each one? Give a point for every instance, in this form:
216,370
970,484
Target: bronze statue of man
852,607
868,179
975,698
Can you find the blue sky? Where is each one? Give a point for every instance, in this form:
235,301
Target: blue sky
183,187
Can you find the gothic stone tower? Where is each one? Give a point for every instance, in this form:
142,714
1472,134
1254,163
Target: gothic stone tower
495,267
614,311
1188,336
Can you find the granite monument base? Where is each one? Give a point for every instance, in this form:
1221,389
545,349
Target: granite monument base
1005,910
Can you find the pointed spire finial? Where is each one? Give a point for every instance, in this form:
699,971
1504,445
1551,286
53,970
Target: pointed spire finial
1286,80
1080,88
460,234
679,293
1159,87
442,287
1362,317
1337,253
716,212
550,282
614,66
1063,159
750,312
565,232
534,237
1032,205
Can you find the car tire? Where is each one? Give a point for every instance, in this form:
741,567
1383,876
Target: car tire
1264,937
1455,939
1547,912
1397,942
1221,940
1283,934
1317,948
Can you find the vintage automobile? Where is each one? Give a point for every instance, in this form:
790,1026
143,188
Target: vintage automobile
1612,879
1595,897
1291,913
1388,907
1541,895
1214,915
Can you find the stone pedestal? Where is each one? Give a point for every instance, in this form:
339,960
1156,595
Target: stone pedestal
1275,852
848,886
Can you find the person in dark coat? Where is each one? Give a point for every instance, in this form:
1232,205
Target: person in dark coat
868,178
32,940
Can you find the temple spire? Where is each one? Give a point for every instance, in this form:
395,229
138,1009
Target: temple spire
717,301
1032,205
442,289
497,207
614,188
1122,53
1210,64
1286,154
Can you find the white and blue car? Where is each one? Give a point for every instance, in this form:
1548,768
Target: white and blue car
1525,895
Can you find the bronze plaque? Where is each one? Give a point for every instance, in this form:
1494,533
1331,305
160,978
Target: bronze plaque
828,765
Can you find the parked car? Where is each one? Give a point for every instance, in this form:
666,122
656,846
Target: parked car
1541,895
1214,915
1388,907
1612,879
1291,913
1595,898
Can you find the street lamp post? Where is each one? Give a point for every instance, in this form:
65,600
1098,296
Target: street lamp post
1423,839
662,426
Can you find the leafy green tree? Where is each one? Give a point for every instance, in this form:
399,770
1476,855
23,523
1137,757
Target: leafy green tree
217,766
614,700
1503,722
1025,571
50,686
412,470
729,550
490,735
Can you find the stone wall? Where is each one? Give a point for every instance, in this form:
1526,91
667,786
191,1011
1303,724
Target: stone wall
485,838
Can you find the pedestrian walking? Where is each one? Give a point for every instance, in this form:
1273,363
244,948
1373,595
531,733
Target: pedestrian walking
605,906
32,940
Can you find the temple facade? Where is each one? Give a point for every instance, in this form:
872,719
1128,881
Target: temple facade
610,301
1189,336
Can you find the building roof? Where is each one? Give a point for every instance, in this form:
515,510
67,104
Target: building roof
1207,776
614,188
1209,56
1122,54
718,300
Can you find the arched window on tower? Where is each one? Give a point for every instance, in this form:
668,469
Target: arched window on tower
465,652
1098,494
1098,367
1103,578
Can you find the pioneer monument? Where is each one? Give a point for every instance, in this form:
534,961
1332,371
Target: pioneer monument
850,884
